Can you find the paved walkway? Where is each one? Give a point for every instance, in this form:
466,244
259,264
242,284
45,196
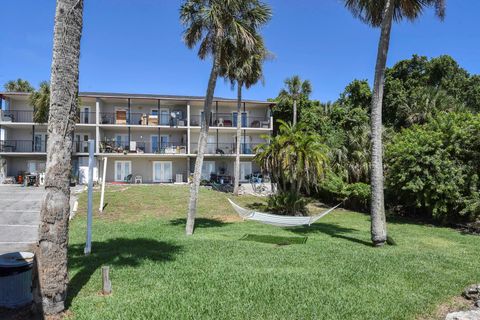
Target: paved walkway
19,217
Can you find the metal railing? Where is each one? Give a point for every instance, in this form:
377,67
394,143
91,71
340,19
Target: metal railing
123,146
230,120
17,116
136,118
86,117
225,148
23,146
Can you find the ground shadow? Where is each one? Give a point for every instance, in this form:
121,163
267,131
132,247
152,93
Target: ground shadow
200,223
270,239
256,206
333,230
114,252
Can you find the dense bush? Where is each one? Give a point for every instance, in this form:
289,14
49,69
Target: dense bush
288,203
356,195
433,169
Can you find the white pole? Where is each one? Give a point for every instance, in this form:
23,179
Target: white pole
91,151
102,194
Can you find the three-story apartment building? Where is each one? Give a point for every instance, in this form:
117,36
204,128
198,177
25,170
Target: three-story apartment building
150,137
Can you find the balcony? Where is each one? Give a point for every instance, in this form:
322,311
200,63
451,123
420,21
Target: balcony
23,146
226,148
136,118
229,120
17,116
140,147
26,116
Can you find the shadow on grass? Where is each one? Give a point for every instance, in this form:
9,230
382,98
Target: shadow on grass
121,252
257,206
278,240
200,223
332,230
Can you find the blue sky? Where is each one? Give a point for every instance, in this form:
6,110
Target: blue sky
135,45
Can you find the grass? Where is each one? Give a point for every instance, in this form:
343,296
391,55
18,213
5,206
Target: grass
159,273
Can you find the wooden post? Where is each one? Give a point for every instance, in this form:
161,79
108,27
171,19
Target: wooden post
106,283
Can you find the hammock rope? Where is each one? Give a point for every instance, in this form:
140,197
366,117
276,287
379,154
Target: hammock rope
277,220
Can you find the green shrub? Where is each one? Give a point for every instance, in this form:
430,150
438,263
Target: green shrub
288,203
433,169
334,189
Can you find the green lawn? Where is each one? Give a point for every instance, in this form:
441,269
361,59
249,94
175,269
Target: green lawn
159,273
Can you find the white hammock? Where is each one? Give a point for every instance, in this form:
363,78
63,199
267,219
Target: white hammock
276,220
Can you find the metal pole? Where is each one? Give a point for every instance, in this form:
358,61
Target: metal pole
104,173
91,150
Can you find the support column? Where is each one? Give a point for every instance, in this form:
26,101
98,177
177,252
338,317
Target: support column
3,169
33,138
188,132
129,115
97,126
128,139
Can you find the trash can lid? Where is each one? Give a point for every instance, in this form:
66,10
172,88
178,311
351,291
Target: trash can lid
16,259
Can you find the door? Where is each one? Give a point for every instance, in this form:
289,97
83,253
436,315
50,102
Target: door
244,119
85,115
164,117
211,145
122,170
39,142
245,170
120,140
154,143
162,171
81,142
208,168
245,145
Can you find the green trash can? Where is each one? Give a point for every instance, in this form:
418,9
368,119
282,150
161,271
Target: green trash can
16,279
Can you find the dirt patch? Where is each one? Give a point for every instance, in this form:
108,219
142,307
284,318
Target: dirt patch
455,304
227,218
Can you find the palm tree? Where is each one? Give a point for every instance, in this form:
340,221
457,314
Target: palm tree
51,253
245,69
295,88
295,158
18,85
382,13
216,25
40,100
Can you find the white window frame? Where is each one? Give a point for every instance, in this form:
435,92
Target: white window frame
82,136
115,170
246,118
84,113
167,178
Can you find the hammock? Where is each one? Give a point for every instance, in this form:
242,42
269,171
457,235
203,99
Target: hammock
276,220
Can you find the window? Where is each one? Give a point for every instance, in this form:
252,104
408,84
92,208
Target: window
154,143
208,168
122,170
85,117
245,170
81,142
162,171
35,166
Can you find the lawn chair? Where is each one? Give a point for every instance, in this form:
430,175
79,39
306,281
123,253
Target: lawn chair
129,178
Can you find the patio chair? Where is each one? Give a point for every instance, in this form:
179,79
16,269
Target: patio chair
129,178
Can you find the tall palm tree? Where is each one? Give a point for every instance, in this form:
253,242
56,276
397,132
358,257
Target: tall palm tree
294,89
51,253
295,158
382,13
40,100
216,25
245,69
18,85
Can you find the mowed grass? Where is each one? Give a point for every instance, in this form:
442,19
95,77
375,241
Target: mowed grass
159,273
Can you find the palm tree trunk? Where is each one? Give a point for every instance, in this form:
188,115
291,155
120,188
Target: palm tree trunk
202,143
294,112
379,226
51,253
239,137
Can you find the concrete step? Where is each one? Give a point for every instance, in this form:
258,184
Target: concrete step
13,247
18,233
14,217
22,205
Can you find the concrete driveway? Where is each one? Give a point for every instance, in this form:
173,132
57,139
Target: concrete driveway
19,217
